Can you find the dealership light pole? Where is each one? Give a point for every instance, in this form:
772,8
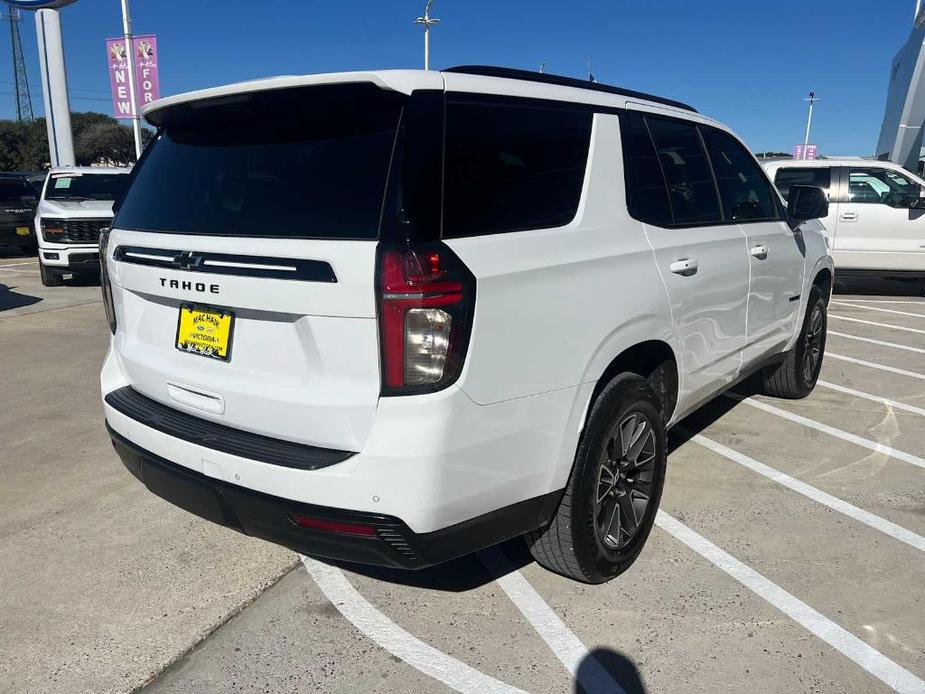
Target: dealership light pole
427,21
809,119
130,68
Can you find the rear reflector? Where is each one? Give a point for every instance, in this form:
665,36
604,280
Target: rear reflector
330,526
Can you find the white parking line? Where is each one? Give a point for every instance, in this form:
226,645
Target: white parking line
872,341
882,310
879,325
875,365
869,658
31,262
832,431
561,640
17,272
383,631
894,404
876,522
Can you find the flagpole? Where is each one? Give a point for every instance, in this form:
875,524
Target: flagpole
130,59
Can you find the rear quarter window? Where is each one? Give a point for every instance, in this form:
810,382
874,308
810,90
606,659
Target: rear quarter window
511,167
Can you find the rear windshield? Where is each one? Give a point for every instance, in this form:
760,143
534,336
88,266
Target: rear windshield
86,186
13,190
307,163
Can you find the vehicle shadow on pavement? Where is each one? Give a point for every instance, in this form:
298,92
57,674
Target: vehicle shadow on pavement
14,252
456,576
878,286
621,669
708,414
10,299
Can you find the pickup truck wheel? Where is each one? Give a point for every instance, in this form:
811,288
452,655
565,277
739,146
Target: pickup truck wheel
609,504
50,278
796,376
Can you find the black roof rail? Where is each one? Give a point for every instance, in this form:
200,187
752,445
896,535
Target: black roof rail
530,76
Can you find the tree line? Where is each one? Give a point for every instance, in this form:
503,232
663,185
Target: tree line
98,139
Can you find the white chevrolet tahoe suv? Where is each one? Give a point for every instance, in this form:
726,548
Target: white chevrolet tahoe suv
394,317
876,219
76,202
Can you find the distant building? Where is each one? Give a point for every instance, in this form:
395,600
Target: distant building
904,115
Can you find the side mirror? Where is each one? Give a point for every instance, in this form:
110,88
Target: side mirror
906,201
919,202
807,202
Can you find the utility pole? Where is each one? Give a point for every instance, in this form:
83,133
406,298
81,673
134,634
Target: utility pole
130,58
20,83
809,119
427,21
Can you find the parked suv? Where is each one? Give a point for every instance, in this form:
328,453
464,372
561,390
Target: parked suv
876,219
76,203
17,206
395,317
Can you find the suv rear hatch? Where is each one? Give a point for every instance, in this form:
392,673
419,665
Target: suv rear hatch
16,211
244,259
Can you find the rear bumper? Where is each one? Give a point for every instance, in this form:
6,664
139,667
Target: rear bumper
9,235
391,542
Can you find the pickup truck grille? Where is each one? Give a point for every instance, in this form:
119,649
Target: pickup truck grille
84,230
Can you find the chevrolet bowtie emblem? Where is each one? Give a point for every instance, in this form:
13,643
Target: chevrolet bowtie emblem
189,260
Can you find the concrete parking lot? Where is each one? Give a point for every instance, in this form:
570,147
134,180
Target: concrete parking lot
788,554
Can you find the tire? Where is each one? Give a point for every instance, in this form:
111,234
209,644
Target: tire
585,540
50,278
796,376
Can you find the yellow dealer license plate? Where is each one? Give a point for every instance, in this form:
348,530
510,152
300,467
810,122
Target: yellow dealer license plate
22,231
205,331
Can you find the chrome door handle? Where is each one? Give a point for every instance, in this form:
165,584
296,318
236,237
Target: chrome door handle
685,267
848,216
760,252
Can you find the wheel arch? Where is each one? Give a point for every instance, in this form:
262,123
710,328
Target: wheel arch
824,279
652,359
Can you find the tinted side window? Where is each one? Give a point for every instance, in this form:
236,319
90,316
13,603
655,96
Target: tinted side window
743,188
691,188
12,190
882,186
646,194
512,167
803,176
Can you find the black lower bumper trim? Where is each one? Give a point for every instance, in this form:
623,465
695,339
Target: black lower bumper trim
267,517
210,434
84,261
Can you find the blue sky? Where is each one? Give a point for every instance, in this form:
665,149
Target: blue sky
748,64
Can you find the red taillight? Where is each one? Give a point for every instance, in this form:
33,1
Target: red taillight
330,526
426,297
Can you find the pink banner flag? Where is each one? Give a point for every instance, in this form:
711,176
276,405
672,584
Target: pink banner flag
147,84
